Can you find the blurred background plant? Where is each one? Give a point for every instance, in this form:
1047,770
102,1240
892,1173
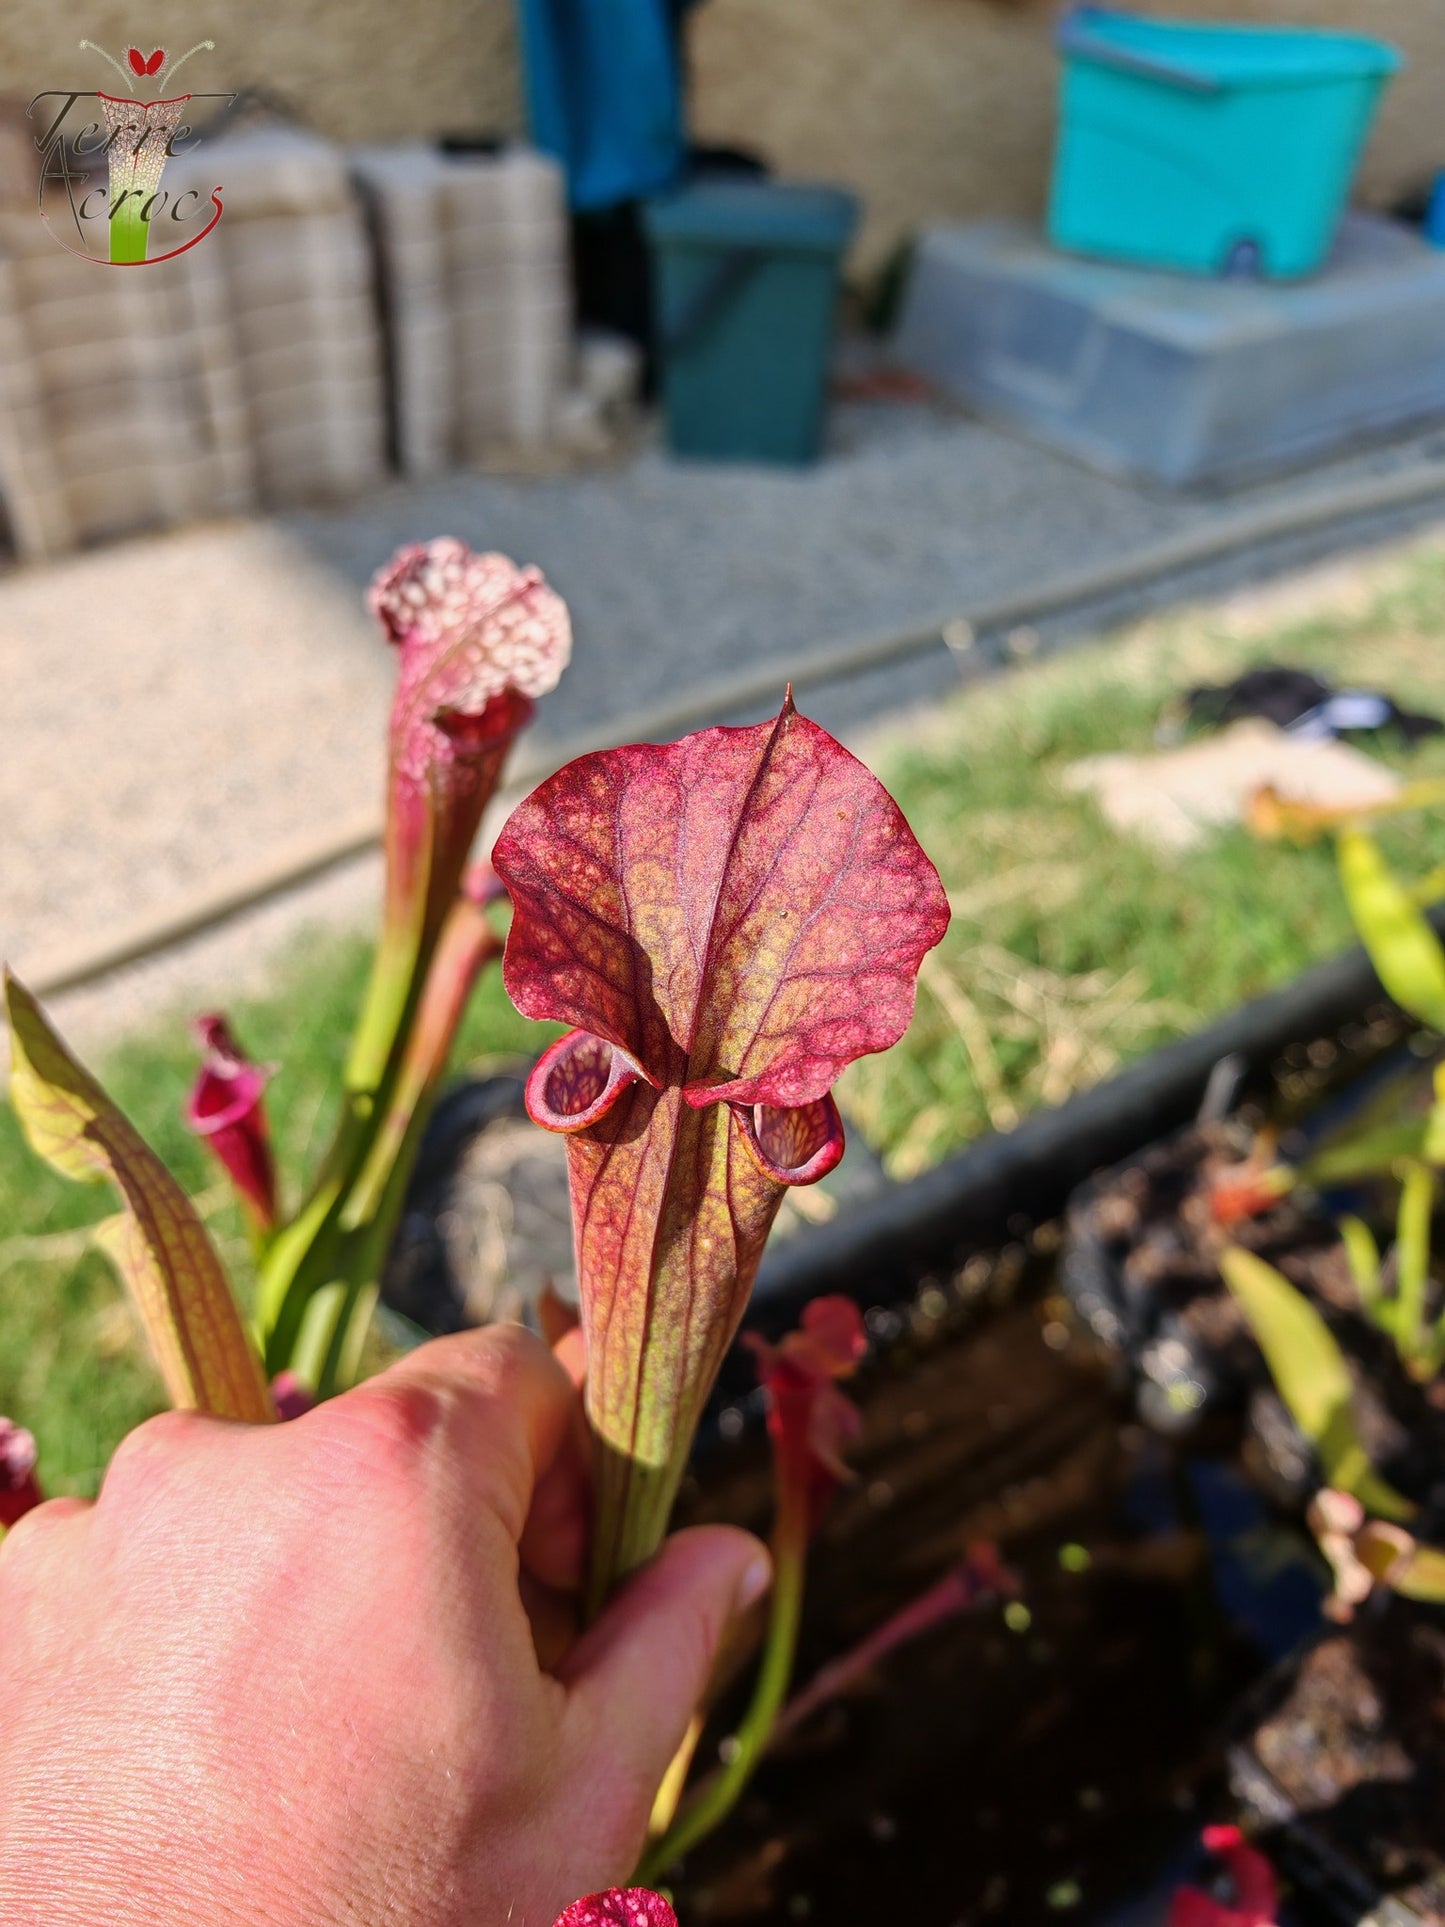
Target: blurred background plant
1359,1520
477,640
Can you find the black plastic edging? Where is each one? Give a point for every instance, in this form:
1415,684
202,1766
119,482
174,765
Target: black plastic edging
970,1200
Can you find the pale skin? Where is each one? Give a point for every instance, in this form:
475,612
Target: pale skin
328,1671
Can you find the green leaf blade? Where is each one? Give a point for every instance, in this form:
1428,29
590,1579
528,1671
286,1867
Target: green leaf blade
1408,956
1363,1255
1311,1375
1412,1261
158,1243
1422,1576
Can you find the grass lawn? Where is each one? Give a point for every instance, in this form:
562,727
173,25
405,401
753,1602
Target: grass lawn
1071,950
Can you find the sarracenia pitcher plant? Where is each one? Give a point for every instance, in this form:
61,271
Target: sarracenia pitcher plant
478,640
728,921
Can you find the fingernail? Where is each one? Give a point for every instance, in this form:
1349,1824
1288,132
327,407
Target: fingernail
755,1582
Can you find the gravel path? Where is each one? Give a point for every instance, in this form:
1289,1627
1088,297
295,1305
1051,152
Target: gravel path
173,710
180,710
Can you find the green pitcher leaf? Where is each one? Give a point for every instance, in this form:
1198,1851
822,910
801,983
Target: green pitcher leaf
1367,1154
158,1244
1397,1560
1412,1261
1421,1576
1408,957
1432,1149
1311,1376
1363,1255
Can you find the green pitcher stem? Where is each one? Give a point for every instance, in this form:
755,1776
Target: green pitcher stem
349,1225
298,1264
397,973
416,1061
305,1255
632,1503
717,1796
362,1252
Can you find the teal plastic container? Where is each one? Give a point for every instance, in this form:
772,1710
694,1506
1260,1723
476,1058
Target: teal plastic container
1210,149
745,299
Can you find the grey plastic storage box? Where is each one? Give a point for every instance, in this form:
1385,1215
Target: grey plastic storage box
745,295
1146,373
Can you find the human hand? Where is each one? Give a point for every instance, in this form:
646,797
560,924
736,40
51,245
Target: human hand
327,1671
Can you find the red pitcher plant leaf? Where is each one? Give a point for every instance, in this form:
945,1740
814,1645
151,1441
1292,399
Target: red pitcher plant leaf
618,1907
1336,1519
1364,1553
744,910
728,921
158,1244
810,1422
1250,1197
19,1489
980,1576
479,640
227,1110
1255,1897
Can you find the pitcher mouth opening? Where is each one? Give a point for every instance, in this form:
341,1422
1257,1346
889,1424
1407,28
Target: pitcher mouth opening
126,100
795,1143
577,1082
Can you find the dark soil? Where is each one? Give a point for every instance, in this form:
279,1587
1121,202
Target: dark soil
986,1772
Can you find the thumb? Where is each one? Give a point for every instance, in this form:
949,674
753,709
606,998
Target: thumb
636,1677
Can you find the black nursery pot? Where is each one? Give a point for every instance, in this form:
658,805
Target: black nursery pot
1338,1768
1140,1265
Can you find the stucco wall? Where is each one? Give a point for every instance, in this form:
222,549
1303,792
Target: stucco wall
944,108
931,108
356,69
